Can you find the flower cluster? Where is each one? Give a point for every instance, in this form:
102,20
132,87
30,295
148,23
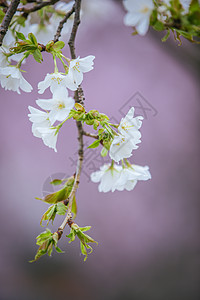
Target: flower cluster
127,138
139,13
114,177
59,106
122,177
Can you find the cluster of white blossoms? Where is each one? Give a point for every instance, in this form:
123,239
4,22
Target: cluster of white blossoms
11,77
139,13
59,106
127,138
116,177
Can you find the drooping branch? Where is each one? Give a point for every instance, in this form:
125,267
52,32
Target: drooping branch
79,98
7,19
62,22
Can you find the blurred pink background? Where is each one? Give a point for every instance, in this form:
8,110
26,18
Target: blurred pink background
149,237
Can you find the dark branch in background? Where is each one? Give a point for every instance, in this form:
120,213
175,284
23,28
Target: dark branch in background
7,19
79,98
27,11
61,24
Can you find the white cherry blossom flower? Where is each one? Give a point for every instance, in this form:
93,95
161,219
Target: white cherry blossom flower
122,146
59,106
41,127
12,79
77,67
130,175
39,119
107,176
129,136
129,124
138,15
54,81
49,136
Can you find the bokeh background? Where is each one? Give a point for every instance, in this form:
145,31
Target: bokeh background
149,237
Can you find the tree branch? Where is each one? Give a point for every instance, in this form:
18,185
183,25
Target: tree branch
61,24
95,136
27,11
79,98
7,19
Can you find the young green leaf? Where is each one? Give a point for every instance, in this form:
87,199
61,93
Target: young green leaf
46,240
37,56
58,45
95,144
33,39
20,36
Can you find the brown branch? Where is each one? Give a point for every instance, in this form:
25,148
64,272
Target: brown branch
92,135
27,11
7,19
79,98
61,24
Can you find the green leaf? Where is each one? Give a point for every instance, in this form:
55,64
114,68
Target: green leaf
37,56
61,208
159,26
56,182
58,45
58,196
59,250
84,238
95,144
46,240
2,14
49,214
33,39
83,250
20,36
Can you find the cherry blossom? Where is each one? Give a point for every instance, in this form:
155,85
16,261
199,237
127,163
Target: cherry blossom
11,79
59,106
138,15
130,175
108,175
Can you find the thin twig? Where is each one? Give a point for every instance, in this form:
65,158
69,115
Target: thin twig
79,98
92,135
7,19
62,22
